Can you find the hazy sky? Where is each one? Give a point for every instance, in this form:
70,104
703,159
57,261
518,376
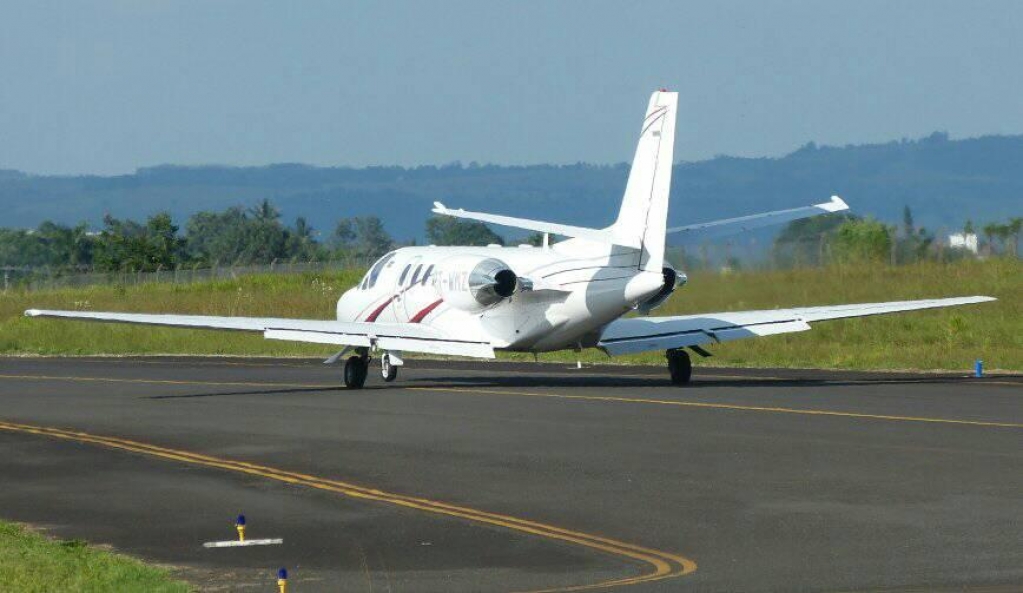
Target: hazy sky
105,87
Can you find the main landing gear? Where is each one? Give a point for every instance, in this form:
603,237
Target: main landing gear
356,369
679,365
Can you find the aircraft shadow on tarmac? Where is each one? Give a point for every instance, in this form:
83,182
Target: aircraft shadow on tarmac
541,381
292,390
548,381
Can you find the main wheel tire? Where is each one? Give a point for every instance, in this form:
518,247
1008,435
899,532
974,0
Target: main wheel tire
356,369
387,370
680,366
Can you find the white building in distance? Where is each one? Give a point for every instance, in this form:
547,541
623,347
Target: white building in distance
964,241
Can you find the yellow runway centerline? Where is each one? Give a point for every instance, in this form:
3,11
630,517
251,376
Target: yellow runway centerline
717,406
660,565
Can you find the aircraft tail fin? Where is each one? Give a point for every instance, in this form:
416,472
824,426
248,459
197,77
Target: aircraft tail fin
644,213
642,220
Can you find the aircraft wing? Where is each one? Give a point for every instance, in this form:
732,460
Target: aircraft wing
640,334
742,224
387,336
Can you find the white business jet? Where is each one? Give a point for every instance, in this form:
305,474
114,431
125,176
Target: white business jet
473,301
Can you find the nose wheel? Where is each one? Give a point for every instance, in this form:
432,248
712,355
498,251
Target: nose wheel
679,366
388,371
356,369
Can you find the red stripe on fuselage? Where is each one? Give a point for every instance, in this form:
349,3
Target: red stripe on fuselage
422,314
376,312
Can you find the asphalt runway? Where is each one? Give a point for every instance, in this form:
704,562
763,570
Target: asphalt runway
523,477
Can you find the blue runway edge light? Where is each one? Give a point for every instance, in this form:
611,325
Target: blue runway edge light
978,368
240,520
282,573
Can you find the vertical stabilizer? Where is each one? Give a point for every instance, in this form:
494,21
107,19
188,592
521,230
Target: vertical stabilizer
644,212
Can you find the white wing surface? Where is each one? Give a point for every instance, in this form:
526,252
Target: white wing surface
755,221
387,336
640,334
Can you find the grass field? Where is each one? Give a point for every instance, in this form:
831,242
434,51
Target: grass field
32,563
947,339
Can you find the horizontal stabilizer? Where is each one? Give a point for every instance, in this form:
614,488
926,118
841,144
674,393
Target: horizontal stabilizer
732,226
642,334
598,235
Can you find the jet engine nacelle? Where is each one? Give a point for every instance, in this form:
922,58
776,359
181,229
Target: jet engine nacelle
672,279
473,283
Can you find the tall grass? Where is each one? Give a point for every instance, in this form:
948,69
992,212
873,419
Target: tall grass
945,339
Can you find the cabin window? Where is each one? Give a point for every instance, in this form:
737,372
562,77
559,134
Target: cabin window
374,272
401,280
415,275
426,276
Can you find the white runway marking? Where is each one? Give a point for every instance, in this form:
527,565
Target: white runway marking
233,543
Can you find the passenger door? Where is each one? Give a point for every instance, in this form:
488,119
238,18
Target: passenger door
401,289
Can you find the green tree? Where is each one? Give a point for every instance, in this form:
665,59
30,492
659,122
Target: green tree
991,231
862,241
265,212
165,247
64,245
19,247
301,243
371,240
915,242
129,245
908,229
217,236
806,241
344,234
1014,227
536,239
445,230
235,235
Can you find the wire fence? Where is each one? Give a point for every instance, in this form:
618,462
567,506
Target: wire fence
751,252
47,278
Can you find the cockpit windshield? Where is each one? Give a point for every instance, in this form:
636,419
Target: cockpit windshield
371,276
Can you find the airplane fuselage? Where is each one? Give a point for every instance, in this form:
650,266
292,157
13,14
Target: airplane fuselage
565,293
471,301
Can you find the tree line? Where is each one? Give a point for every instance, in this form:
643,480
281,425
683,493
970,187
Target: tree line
258,236
847,238
235,236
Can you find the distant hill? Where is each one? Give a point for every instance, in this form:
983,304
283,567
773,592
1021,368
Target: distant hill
944,182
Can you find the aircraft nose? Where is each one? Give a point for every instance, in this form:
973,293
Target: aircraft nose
344,308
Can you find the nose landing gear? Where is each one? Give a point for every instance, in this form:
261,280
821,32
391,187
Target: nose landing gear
388,370
680,366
